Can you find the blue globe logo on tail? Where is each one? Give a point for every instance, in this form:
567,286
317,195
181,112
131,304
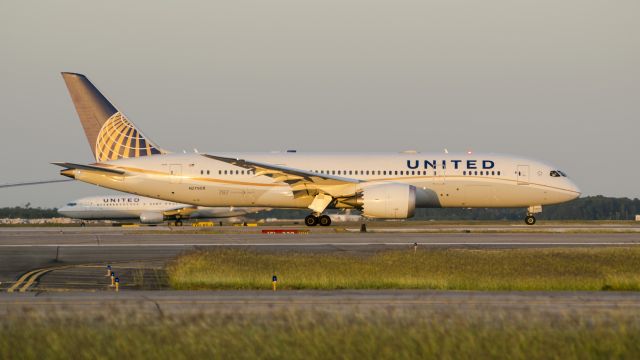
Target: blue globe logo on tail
110,134
119,139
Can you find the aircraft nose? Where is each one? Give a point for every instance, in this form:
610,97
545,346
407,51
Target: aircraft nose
574,189
63,210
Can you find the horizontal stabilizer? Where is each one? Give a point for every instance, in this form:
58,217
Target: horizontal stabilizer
88,167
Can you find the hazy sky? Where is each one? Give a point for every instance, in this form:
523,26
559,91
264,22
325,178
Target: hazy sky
554,80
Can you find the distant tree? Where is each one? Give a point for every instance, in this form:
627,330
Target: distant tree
586,208
28,213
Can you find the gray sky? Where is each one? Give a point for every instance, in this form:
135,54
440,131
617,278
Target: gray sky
554,80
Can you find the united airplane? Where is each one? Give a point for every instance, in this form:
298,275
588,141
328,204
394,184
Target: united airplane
380,185
146,210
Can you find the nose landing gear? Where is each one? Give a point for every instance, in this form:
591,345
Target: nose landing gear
530,219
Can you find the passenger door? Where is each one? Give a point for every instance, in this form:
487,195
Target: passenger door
523,174
176,173
440,176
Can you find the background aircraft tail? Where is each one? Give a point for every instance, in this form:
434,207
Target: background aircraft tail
110,134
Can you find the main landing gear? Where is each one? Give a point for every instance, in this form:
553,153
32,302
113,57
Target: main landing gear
322,220
530,220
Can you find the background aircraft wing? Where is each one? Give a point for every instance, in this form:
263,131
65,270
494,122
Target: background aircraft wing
34,183
183,211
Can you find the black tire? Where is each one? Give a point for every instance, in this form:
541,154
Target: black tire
178,222
325,220
311,220
530,220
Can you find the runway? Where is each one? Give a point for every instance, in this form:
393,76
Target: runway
58,259
390,236
184,302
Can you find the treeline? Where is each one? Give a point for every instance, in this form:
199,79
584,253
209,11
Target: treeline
586,208
28,213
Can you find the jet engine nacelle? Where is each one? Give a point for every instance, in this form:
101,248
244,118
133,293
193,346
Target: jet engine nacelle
151,218
389,201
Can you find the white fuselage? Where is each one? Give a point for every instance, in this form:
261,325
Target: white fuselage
120,207
441,180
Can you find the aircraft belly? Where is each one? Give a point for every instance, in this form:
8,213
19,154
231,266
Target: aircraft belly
479,193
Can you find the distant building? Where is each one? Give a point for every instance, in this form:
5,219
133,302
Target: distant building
18,221
637,217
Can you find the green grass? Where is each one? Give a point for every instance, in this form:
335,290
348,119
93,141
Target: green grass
314,334
453,269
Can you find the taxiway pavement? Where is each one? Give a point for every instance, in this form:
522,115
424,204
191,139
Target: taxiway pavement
197,302
73,258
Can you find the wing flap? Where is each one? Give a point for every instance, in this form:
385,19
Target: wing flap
303,183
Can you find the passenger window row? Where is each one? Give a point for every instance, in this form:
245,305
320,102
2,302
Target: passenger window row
371,172
481,172
363,172
237,172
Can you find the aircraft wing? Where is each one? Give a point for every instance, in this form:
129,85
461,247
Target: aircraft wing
283,173
34,183
302,182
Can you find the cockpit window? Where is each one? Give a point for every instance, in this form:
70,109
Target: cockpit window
557,173
72,204
562,173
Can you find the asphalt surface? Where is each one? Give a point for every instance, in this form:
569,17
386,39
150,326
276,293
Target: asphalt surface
55,259
163,303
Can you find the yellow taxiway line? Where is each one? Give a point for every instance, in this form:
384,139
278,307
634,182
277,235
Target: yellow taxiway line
32,276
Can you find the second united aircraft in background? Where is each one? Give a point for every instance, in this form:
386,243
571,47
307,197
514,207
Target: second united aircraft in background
145,210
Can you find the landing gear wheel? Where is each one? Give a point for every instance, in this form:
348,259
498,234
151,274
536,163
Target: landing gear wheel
311,220
530,220
178,222
325,220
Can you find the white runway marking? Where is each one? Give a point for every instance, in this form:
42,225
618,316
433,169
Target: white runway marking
325,244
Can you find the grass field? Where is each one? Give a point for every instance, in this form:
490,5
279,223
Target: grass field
452,269
313,334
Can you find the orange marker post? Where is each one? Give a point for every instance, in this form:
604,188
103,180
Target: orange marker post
117,281
113,279
274,282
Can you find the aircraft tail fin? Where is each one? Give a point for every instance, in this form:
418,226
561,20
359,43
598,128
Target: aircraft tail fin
110,134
